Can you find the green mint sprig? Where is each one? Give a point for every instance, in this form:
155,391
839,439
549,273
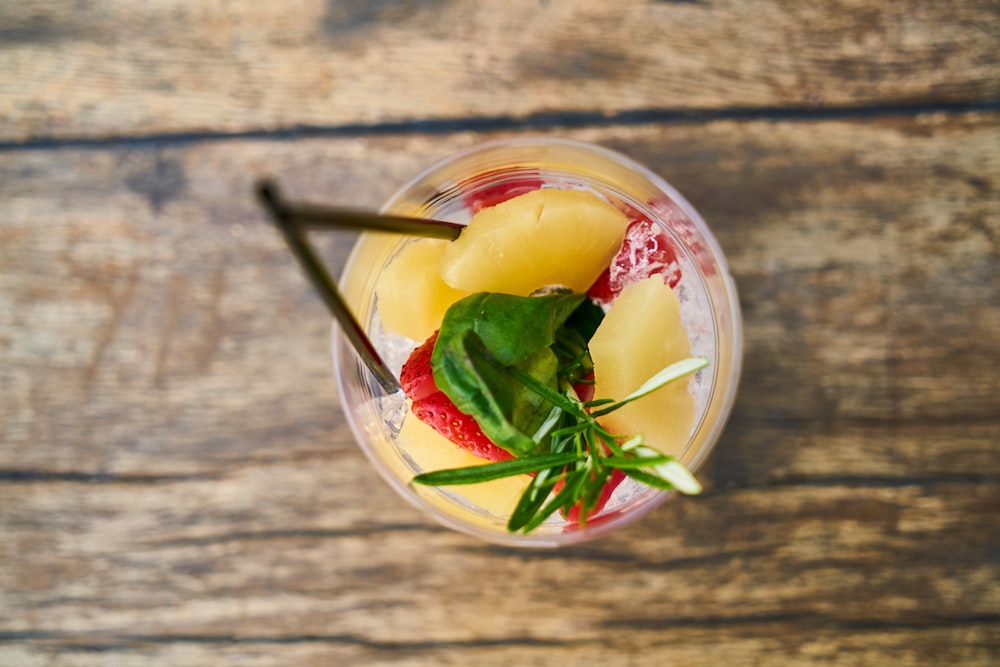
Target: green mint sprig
582,456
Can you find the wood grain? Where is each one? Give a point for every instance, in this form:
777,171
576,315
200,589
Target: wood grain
177,484
103,70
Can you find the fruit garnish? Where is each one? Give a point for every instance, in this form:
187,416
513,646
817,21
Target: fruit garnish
544,237
510,363
498,193
438,412
485,335
428,450
645,251
412,297
641,333
432,407
417,376
583,456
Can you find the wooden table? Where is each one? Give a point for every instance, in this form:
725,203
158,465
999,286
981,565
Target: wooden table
178,484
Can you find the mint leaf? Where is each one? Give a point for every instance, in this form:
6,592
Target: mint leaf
572,341
481,386
487,336
511,327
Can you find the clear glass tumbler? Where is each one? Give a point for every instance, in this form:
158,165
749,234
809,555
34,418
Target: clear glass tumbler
448,191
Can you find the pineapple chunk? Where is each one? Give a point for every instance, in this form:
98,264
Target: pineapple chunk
432,451
641,335
412,298
544,237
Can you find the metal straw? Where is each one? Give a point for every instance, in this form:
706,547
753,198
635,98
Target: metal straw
293,220
312,216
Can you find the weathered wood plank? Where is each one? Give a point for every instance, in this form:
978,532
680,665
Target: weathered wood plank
840,554
772,645
173,290
827,572
177,483
176,67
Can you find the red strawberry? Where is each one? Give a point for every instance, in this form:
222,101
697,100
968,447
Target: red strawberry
646,251
601,289
431,406
585,388
501,192
680,224
438,412
417,376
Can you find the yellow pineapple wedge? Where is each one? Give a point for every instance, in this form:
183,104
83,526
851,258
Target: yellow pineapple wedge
432,451
641,335
545,237
412,298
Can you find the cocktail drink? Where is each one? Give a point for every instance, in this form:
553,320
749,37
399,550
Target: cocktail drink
582,331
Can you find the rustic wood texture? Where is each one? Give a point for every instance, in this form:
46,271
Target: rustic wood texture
103,69
179,486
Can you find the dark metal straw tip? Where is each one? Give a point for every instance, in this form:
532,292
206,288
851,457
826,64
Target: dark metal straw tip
284,216
268,194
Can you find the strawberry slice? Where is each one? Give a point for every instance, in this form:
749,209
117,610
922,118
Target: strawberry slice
438,412
417,376
646,251
434,408
501,192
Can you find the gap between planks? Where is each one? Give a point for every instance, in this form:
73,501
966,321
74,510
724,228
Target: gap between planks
542,121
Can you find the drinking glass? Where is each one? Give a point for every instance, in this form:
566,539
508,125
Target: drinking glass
450,190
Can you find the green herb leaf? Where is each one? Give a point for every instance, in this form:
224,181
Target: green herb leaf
484,338
555,416
561,499
649,480
491,471
482,387
672,476
631,457
679,476
510,362
624,463
533,498
511,327
571,342
666,376
549,394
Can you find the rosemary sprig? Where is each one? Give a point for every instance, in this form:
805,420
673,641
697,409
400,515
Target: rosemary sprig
485,473
583,454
